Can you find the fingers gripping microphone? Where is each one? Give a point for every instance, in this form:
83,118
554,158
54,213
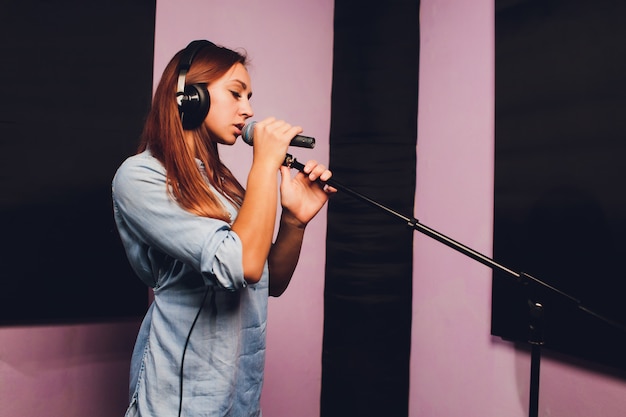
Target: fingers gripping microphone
300,141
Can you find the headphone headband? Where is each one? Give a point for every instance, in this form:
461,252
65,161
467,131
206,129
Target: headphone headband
185,62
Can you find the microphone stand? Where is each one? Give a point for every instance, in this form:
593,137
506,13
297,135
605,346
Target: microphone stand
536,310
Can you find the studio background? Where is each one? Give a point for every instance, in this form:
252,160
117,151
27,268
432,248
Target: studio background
457,367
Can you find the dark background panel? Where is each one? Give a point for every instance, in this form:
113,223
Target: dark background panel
75,85
368,283
560,201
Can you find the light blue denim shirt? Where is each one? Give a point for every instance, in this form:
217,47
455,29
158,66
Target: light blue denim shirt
183,256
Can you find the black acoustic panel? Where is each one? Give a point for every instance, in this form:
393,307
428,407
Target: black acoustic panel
368,286
75,85
560,206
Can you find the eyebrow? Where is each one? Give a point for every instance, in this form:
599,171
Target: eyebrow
243,85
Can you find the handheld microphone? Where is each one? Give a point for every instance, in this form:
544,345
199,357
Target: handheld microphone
247,134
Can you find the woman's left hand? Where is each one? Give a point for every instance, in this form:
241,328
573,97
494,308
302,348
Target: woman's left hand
305,194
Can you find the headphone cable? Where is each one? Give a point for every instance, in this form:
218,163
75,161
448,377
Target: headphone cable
182,361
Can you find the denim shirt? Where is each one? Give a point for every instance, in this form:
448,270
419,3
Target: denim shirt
194,265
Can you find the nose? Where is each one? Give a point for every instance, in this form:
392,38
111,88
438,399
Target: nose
246,109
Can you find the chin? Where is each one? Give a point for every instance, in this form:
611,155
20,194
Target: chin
227,142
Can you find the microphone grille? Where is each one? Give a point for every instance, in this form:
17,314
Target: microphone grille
247,133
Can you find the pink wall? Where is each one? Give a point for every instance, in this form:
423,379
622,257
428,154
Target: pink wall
69,371
457,367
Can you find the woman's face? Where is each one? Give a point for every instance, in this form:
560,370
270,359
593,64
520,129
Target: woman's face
230,105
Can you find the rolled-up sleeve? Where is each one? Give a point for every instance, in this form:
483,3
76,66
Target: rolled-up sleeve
153,226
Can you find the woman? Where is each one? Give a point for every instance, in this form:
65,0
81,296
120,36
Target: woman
203,244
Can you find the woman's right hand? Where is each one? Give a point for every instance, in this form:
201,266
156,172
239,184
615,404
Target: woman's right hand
271,139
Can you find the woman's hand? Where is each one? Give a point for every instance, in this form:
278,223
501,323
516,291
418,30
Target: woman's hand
304,195
271,139
301,198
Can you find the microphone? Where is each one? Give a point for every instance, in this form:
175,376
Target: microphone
247,134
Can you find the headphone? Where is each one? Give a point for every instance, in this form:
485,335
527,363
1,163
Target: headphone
193,100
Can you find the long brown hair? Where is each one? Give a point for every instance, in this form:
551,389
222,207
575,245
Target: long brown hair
163,134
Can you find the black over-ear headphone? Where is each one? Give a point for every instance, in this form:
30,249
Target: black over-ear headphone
193,100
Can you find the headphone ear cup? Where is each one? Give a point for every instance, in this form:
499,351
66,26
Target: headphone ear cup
195,106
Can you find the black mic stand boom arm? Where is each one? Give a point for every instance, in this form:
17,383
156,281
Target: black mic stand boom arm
535,308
